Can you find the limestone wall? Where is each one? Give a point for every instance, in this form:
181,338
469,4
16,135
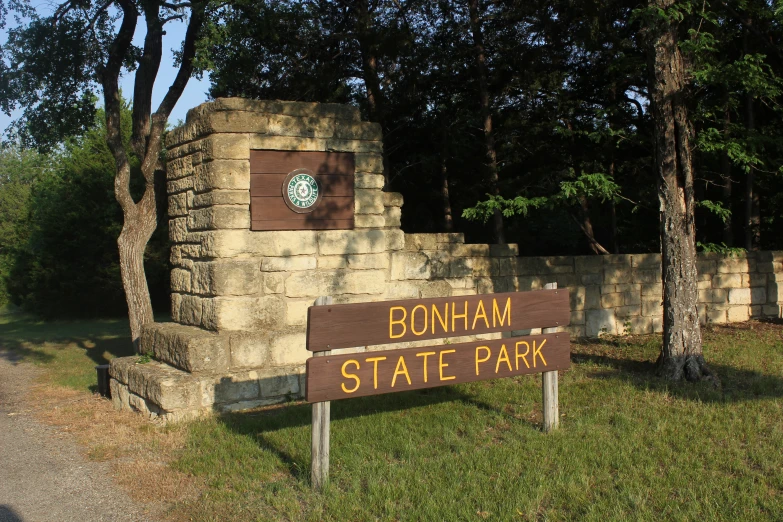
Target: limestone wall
240,297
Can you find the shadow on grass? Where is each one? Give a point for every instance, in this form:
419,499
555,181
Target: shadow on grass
26,339
256,424
634,363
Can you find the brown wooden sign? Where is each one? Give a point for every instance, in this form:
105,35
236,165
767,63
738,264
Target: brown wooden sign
351,325
293,190
370,373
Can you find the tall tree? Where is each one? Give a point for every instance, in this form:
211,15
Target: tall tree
681,354
79,47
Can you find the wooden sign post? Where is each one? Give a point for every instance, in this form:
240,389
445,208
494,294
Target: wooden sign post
330,327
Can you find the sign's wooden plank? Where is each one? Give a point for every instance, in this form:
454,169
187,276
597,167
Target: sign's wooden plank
271,185
298,224
363,324
275,161
346,376
274,208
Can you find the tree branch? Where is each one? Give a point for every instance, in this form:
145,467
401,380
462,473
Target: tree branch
110,74
145,78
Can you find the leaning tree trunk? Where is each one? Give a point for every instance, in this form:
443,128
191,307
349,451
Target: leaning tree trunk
681,354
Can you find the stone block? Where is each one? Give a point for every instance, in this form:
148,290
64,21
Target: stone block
392,216
727,281
472,250
289,349
368,163
401,290
338,145
775,293
369,221
646,261
281,385
219,217
577,297
368,201
738,314
332,262
296,143
740,296
617,274
502,266
167,387
713,295
488,285
176,305
364,131
588,264
592,298
462,282
429,289
180,185
652,289
612,300
392,199
335,282
231,388
180,280
395,239
338,242
592,279
618,259
409,265
232,243
652,308
178,230
178,204
368,261
754,280
768,267
274,282
704,285
715,316
303,126
627,311
296,311
190,310
564,280
417,242
775,311
226,146
458,292
506,250
228,277
287,264
632,296
368,181
248,349
733,265
641,325
185,347
647,276
600,321
577,317
529,283
706,267
758,296
242,313
221,197
222,174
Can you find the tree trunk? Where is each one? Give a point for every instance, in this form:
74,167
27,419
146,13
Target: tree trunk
137,228
376,107
681,354
448,221
587,228
486,115
752,213
725,172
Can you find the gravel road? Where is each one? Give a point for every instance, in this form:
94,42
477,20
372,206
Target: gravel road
43,475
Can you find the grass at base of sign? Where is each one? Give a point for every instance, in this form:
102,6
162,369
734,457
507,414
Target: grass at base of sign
630,447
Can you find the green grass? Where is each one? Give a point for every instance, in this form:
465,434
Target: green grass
69,350
630,446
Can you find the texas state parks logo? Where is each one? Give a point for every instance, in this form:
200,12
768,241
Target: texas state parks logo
301,191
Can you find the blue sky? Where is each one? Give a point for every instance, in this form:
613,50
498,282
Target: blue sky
195,92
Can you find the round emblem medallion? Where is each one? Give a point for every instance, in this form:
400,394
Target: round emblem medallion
301,191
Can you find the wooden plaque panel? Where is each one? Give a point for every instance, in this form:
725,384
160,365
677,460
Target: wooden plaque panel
363,324
335,173
371,373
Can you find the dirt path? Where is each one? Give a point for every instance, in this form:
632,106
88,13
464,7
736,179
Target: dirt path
43,475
